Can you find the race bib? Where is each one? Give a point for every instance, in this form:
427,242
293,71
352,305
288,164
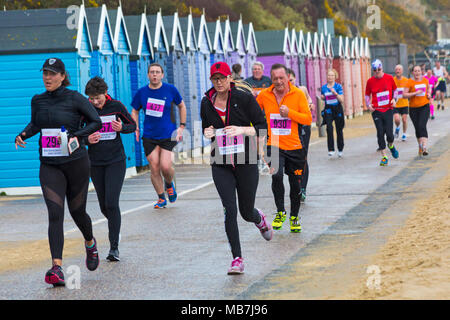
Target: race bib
107,132
330,98
400,93
50,144
420,88
279,125
383,98
155,107
229,145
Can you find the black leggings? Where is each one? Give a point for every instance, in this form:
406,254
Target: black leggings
419,117
69,180
108,181
243,178
305,136
384,123
336,114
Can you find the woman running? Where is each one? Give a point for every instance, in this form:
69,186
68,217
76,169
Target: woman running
232,118
64,172
107,155
433,81
419,94
333,95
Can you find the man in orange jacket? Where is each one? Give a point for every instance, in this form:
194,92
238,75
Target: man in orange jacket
286,108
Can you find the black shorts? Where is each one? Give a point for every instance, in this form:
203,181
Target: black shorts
292,161
150,145
401,110
442,87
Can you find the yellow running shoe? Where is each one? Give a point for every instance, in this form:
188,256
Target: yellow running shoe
277,223
295,224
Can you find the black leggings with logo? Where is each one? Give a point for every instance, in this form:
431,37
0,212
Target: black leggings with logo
242,178
69,180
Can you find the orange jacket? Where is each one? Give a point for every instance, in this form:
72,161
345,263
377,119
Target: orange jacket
284,133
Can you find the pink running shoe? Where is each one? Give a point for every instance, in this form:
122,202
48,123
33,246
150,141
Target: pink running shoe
237,266
264,227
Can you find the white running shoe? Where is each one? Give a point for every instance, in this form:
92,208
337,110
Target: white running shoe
330,153
404,137
340,154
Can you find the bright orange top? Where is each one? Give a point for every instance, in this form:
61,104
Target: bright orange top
421,99
401,85
283,132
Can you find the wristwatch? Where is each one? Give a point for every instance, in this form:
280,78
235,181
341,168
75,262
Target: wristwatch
183,124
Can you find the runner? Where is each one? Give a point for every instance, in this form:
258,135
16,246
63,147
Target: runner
258,80
401,108
64,172
158,138
440,72
305,135
107,155
433,81
380,99
237,69
286,108
333,95
231,117
419,94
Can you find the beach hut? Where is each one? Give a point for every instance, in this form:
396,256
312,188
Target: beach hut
321,48
294,56
316,65
102,61
338,57
251,49
329,51
356,78
237,29
365,67
347,79
302,59
216,36
230,50
274,46
140,59
25,45
160,43
310,76
191,97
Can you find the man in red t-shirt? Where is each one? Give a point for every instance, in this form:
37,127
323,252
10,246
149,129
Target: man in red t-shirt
380,99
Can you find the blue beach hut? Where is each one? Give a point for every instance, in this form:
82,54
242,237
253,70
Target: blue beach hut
237,29
216,36
25,44
252,49
230,50
160,43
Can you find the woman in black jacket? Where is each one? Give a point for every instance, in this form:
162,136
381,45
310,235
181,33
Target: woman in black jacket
64,172
107,155
232,118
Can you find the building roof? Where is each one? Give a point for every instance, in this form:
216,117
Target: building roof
272,42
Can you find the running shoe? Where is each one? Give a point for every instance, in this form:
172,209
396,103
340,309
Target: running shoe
404,137
55,276
432,117
397,132
162,203
424,152
302,195
172,193
279,219
265,228
295,224
92,260
340,154
394,152
384,161
237,266
113,255
330,153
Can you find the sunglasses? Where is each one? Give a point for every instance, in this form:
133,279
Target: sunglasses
376,69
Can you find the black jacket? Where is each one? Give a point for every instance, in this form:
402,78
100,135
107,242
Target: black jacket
62,107
110,151
242,110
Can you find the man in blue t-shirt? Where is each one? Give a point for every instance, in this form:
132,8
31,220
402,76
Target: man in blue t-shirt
156,101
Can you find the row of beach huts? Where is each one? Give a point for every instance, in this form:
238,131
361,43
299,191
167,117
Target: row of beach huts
104,42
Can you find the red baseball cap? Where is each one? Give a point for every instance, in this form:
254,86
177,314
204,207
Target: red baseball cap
220,67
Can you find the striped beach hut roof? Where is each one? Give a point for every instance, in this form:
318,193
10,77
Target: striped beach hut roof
301,43
174,32
119,28
139,32
216,34
309,45
156,26
237,29
271,42
44,30
189,34
295,49
203,39
99,27
251,37
329,46
227,36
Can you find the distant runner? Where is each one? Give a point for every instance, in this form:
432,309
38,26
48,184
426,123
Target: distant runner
401,109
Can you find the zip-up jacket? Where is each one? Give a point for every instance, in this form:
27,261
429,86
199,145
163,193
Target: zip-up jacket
284,133
108,151
242,110
62,107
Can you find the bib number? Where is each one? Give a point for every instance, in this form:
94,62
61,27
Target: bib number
229,145
279,125
107,132
155,107
383,98
50,145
